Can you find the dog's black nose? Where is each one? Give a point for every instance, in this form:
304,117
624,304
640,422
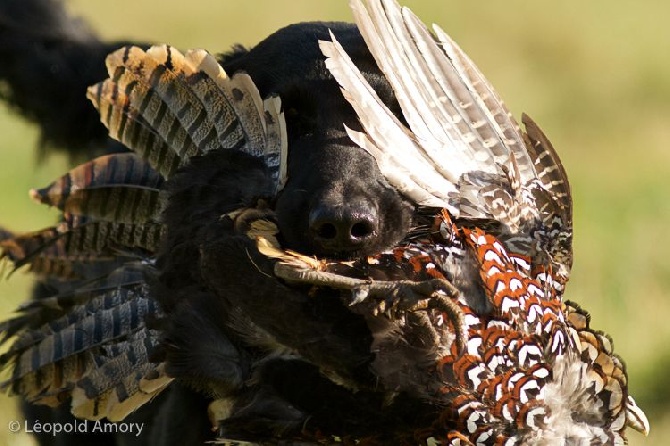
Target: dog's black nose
344,227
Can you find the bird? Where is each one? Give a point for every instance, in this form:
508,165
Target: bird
110,232
467,312
507,357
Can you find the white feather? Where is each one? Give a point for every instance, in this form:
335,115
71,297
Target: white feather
385,130
457,123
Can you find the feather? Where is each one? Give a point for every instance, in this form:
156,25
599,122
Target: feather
46,317
126,380
412,175
510,147
84,251
101,341
92,342
168,107
463,151
550,171
117,188
458,126
126,125
84,333
47,311
441,111
129,274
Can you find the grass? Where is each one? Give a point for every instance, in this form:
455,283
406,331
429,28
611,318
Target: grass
595,75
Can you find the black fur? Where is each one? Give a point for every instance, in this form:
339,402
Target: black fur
328,174
48,61
335,204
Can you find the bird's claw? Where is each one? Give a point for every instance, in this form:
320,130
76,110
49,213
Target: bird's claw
392,298
412,299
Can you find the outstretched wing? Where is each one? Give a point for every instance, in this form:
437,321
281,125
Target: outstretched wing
91,344
457,124
169,106
96,342
463,151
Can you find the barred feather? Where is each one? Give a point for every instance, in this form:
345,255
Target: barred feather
76,245
100,339
168,107
130,274
126,380
441,106
94,343
117,188
88,331
550,172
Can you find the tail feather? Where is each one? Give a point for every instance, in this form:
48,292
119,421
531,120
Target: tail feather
129,100
146,86
242,98
65,250
550,170
91,303
50,384
90,331
126,126
45,313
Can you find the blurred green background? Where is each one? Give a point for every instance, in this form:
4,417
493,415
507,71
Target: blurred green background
595,75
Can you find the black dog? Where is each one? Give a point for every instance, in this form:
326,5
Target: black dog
335,204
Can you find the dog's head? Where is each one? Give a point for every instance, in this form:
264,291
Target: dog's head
336,203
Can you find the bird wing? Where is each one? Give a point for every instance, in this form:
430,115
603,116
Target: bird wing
92,344
462,149
96,341
168,106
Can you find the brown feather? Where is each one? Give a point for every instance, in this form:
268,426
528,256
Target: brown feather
119,188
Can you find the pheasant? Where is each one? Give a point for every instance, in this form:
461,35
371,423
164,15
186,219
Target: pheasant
507,358
466,314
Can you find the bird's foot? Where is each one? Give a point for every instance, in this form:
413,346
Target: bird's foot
393,298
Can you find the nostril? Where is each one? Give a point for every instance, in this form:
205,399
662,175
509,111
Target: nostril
362,229
327,231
